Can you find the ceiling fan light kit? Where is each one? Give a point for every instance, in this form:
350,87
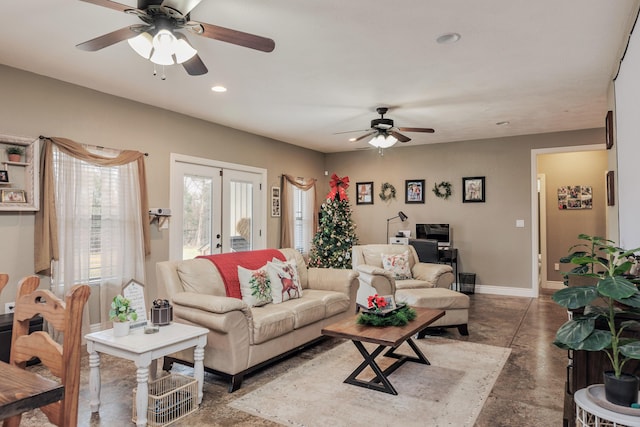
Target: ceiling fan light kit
158,40
385,134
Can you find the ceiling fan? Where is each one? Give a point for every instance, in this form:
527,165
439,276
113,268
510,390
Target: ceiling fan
385,133
159,39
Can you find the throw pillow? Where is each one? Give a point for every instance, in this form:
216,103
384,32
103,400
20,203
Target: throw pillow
285,283
397,264
255,286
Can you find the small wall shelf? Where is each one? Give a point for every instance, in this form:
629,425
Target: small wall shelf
158,219
23,175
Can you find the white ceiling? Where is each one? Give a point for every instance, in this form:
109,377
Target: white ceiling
542,65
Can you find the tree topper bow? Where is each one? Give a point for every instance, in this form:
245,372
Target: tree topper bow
338,186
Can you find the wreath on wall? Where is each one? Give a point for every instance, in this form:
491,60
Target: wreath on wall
442,190
387,192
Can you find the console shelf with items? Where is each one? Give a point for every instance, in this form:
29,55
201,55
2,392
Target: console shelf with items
19,180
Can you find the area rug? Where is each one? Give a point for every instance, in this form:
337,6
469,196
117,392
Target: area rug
449,392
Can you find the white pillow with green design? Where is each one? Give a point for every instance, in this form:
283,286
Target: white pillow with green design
255,286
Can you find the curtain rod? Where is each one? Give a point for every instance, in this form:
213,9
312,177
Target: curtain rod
88,145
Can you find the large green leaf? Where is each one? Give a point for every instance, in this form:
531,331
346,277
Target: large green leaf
616,287
632,301
598,340
575,297
631,350
575,331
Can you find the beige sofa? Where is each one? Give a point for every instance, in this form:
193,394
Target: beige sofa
243,338
428,287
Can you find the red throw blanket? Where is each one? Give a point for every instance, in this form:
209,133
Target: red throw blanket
227,265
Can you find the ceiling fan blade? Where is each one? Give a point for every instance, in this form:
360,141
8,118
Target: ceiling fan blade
232,36
426,130
364,136
110,4
182,6
351,131
400,137
195,66
107,39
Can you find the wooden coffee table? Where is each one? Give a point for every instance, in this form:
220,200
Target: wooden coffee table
386,336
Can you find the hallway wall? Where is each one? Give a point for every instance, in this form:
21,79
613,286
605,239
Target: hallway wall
563,225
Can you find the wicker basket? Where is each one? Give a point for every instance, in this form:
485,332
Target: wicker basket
171,398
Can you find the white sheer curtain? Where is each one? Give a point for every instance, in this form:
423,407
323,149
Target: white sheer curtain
99,227
299,213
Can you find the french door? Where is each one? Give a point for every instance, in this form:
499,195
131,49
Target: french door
216,207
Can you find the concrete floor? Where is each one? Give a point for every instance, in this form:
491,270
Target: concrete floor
528,392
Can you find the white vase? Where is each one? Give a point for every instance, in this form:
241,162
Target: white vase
121,329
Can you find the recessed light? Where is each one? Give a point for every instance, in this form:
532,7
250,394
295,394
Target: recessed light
352,139
448,38
219,89
504,123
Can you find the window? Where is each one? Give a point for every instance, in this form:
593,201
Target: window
303,221
298,213
99,228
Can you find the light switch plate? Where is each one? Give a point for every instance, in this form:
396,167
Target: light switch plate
520,223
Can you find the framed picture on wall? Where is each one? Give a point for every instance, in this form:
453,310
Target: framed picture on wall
611,191
4,176
473,189
275,201
608,126
13,196
365,193
414,191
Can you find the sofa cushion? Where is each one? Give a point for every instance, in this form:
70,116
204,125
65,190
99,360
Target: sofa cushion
334,302
200,276
255,286
413,284
271,321
285,283
306,311
398,264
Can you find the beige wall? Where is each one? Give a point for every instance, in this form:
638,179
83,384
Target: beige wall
563,226
33,105
485,234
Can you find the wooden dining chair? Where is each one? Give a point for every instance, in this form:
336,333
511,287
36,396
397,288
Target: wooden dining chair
63,361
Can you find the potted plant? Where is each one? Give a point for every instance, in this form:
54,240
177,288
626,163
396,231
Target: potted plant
121,313
15,153
613,299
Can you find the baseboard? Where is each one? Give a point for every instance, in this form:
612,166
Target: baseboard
505,290
554,285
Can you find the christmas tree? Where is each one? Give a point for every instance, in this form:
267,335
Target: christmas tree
331,246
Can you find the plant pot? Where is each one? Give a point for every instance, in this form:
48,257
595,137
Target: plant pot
14,157
121,329
621,391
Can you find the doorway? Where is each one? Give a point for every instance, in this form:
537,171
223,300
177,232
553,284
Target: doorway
550,239
217,207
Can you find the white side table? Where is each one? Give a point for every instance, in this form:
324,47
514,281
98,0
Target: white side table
144,350
589,414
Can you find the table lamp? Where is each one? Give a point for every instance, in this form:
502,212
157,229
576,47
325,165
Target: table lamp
400,215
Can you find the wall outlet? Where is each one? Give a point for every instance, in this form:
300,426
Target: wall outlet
556,266
9,307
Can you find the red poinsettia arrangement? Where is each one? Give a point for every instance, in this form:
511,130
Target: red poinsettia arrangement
376,302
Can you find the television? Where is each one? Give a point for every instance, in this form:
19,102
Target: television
439,232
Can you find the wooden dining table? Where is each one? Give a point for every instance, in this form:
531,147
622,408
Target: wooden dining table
22,390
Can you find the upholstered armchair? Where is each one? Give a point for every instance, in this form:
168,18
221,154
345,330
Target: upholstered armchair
367,260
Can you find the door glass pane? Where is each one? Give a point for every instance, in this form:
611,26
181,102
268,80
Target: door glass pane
240,216
196,218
